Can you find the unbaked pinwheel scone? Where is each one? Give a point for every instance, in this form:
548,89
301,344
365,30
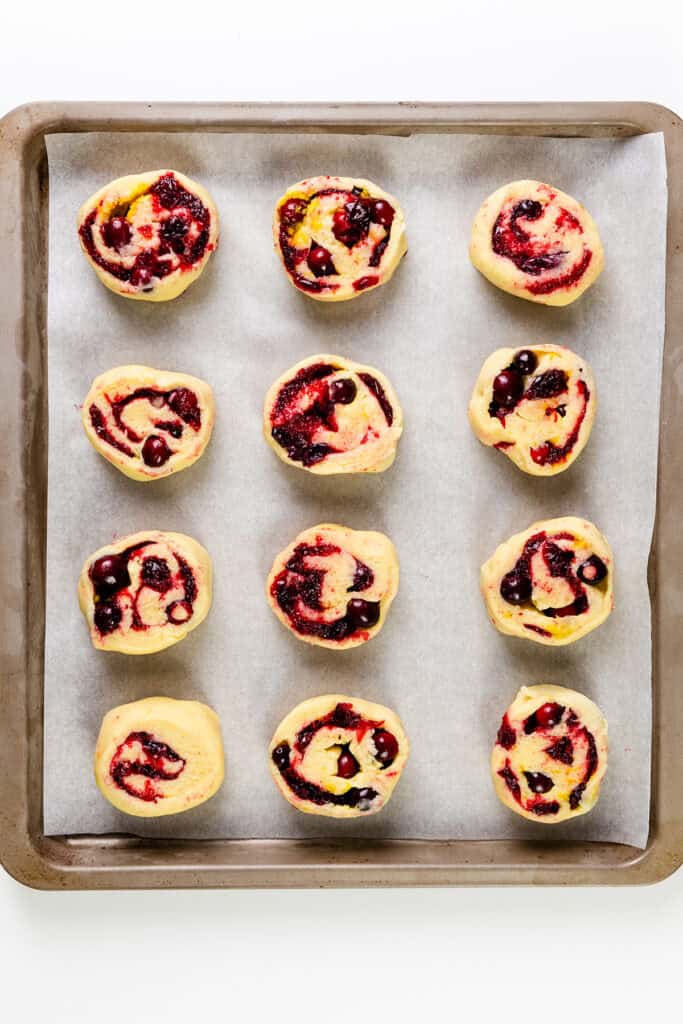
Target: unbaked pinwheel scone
536,404
149,235
328,415
159,756
338,237
148,423
552,583
550,755
338,756
536,242
145,592
333,586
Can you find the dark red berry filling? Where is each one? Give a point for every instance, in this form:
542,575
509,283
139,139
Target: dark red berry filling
538,782
189,247
512,240
516,586
299,588
350,225
110,577
344,717
294,427
158,761
507,737
155,451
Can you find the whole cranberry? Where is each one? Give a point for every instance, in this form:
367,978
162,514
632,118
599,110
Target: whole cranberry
538,782
109,574
293,211
515,587
343,391
141,277
320,261
362,614
116,233
343,229
155,451
347,765
386,746
508,388
592,571
107,617
525,361
548,714
382,213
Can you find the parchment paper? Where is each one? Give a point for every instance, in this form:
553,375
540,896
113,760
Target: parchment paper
447,501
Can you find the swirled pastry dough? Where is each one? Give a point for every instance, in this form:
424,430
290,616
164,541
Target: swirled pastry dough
536,405
338,237
149,236
332,586
148,423
329,415
145,592
338,756
550,754
533,241
159,756
552,583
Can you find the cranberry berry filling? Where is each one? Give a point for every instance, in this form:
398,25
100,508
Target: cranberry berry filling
155,451
155,761
184,236
287,760
110,578
512,237
516,586
351,222
305,406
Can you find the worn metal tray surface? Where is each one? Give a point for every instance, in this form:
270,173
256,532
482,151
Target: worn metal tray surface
121,861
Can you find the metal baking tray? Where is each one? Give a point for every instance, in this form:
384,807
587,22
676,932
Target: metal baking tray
123,861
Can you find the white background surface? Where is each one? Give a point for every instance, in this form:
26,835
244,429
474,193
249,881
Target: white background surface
475,955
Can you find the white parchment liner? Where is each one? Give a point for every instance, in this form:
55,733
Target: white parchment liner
446,502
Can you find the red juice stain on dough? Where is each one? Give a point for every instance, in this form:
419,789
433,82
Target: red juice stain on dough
537,629
507,737
361,283
565,219
504,445
157,761
145,230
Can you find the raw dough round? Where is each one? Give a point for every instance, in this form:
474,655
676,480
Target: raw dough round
145,592
149,236
338,756
159,756
328,415
338,237
536,242
148,423
547,414
550,754
333,586
557,578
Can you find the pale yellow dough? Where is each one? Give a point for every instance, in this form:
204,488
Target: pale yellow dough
318,762
534,422
140,416
191,730
352,264
153,607
366,441
529,753
564,230
527,620
129,196
372,549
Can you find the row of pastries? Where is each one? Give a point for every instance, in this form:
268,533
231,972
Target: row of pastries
148,237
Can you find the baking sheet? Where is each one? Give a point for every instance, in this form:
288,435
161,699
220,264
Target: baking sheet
446,503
